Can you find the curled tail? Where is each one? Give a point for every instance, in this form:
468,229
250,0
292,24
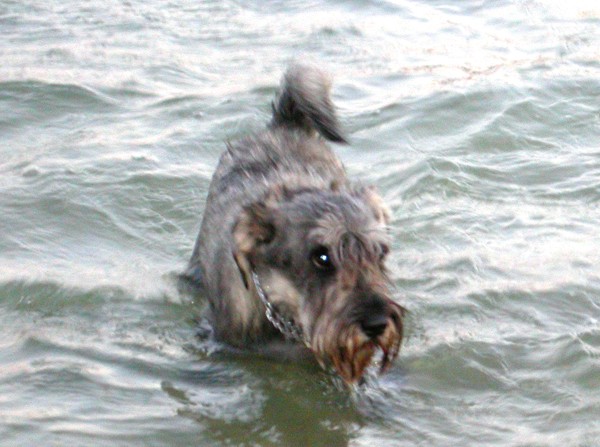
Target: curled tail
304,102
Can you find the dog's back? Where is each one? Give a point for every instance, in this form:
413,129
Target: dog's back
289,152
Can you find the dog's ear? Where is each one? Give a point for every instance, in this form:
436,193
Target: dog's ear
254,226
372,198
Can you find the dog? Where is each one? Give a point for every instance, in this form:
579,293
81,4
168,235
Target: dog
289,249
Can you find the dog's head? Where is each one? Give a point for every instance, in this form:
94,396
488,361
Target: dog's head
319,254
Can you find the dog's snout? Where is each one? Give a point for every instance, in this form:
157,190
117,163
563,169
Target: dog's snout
374,325
374,316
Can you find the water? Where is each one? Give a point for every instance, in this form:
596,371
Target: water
478,121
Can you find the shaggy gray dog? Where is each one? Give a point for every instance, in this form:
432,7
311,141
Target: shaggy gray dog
289,249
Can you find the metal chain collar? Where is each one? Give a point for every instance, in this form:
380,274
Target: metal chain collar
288,328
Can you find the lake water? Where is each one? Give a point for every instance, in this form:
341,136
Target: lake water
478,121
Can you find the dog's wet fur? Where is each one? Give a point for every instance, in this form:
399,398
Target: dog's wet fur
281,207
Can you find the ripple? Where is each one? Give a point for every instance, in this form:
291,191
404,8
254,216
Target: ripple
59,97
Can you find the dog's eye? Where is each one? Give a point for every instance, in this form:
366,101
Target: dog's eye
385,249
321,259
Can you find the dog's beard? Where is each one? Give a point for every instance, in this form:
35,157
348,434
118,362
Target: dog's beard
350,351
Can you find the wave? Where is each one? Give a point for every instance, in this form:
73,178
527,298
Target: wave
38,288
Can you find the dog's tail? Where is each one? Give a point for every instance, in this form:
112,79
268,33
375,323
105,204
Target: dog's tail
304,102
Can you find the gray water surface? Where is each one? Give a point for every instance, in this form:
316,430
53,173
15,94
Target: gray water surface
478,121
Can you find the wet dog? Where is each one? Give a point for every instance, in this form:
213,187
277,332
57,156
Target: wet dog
290,249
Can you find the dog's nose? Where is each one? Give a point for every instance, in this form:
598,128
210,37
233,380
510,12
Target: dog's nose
374,325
